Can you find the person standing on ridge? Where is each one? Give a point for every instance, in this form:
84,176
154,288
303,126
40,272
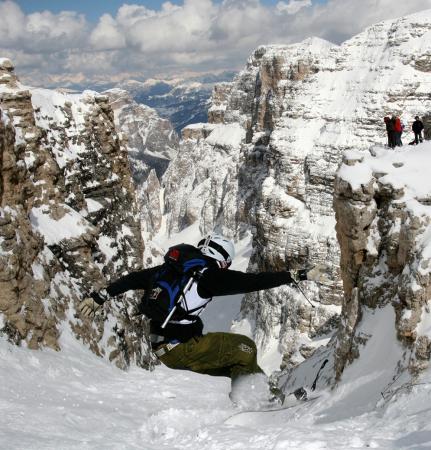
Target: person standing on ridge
390,131
417,128
398,129
176,329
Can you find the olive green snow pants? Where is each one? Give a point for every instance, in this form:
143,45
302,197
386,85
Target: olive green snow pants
218,354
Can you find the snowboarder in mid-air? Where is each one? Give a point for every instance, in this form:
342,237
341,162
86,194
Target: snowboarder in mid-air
177,291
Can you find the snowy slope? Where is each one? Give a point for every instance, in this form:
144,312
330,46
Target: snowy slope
74,400
81,401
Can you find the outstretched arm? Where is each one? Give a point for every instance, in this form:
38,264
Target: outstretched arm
216,282
134,280
141,279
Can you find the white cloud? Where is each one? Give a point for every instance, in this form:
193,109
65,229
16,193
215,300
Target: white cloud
12,23
195,36
107,35
293,6
40,32
338,20
130,14
237,20
182,29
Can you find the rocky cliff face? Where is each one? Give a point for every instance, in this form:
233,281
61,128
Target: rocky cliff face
267,162
202,181
151,145
68,220
382,204
151,141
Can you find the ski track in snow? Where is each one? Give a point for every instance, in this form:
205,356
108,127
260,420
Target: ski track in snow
73,399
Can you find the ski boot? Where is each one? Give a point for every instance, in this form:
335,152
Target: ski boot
300,394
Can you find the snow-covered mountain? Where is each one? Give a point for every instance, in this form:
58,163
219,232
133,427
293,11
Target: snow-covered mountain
151,145
266,163
151,140
297,135
182,101
69,220
268,159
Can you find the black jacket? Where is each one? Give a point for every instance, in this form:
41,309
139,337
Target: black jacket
417,126
214,282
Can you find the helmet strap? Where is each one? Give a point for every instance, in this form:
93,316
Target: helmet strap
223,264
207,240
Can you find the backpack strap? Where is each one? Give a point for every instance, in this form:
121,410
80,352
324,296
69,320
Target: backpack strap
176,294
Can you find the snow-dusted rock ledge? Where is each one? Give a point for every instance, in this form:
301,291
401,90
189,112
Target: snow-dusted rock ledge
68,221
383,210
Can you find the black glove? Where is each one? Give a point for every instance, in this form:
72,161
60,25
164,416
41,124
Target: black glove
90,305
317,273
99,297
302,274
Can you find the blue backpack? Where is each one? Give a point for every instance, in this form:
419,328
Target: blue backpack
183,265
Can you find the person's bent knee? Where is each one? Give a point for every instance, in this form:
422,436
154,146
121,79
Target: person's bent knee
246,350
247,345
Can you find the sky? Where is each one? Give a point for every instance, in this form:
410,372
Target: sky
56,43
93,9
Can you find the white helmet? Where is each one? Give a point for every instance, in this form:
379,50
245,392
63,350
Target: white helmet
218,248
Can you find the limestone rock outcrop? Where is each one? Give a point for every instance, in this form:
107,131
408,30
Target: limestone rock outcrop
151,141
69,221
151,144
382,204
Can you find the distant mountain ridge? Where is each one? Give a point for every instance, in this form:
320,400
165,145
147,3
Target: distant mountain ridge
182,101
151,140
